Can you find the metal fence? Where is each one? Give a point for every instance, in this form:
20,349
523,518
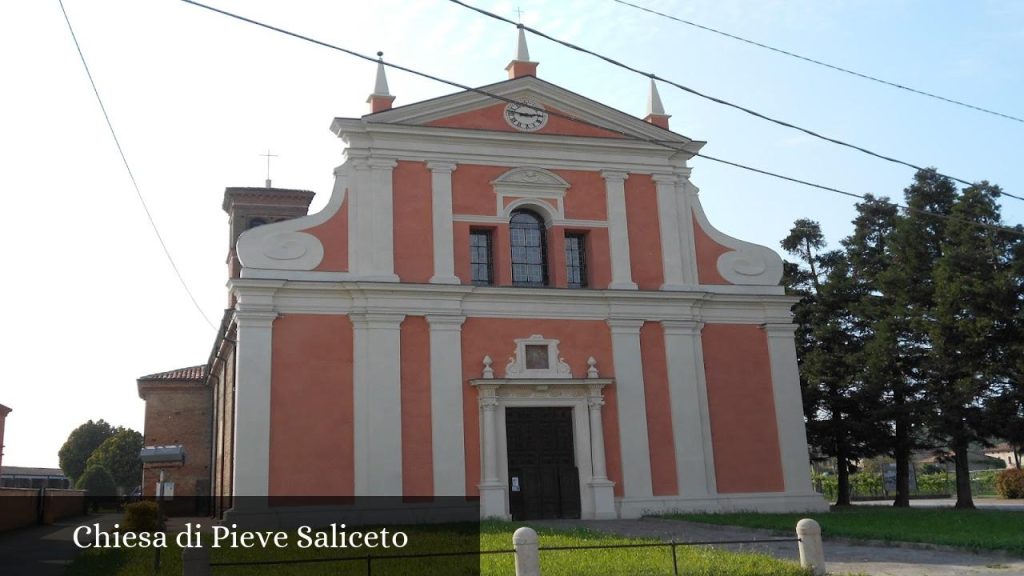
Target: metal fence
526,549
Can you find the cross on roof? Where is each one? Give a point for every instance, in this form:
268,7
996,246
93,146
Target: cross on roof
269,156
519,14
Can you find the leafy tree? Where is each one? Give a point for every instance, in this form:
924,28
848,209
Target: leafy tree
79,446
974,290
97,482
119,454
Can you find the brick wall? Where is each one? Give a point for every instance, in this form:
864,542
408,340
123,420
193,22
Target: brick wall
178,412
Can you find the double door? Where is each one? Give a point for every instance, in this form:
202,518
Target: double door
543,478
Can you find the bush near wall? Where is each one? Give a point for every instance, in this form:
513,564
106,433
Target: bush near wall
1010,483
870,485
142,517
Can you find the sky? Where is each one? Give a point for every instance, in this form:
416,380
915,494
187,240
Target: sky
91,302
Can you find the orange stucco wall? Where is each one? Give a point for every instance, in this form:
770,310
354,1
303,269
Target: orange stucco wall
333,234
311,394
413,222
417,450
493,118
708,252
644,231
585,197
472,192
495,337
659,415
742,408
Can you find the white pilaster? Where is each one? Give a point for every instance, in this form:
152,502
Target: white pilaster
447,435
377,400
789,413
492,488
602,489
686,197
252,405
441,206
381,218
632,408
359,207
668,224
618,231
691,426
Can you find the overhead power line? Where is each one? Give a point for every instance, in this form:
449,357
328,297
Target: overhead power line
624,134
820,63
131,176
714,99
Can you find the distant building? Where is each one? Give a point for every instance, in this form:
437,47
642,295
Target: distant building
23,477
178,412
4,411
1006,453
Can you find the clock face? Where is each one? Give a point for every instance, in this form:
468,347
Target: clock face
526,117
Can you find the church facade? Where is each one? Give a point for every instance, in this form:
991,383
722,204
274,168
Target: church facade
514,295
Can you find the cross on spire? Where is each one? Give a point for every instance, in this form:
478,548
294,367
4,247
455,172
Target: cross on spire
268,156
519,15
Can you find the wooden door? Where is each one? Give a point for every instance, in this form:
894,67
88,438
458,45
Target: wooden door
543,478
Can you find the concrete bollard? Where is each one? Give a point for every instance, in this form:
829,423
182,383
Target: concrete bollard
812,553
195,562
526,545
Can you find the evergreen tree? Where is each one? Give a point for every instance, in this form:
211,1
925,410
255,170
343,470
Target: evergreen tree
870,249
829,348
973,293
898,354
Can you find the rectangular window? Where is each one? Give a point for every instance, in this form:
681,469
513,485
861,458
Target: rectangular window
481,257
576,259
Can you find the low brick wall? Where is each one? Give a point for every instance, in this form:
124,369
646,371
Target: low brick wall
60,504
20,507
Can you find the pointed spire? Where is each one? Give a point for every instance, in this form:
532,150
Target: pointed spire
655,109
521,65
522,52
381,97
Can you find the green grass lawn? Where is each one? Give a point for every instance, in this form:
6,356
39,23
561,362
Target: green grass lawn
971,529
493,536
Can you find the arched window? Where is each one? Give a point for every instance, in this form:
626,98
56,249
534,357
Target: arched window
529,250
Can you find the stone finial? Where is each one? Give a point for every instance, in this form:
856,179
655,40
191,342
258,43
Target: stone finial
592,368
488,371
381,98
655,109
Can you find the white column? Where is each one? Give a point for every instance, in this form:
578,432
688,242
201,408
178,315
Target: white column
601,487
441,203
629,384
686,197
618,231
789,412
252,406
377,400
447,434
492,487
381,220
691,426
668,224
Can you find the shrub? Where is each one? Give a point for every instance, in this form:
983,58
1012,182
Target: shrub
938,483
142,517
97,482
1010,483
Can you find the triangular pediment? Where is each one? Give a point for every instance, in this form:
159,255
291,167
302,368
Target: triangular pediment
479,110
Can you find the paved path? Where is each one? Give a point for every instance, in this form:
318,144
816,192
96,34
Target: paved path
45,550
841,556
980,503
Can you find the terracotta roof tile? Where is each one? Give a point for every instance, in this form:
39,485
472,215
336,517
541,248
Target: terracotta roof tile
190,373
